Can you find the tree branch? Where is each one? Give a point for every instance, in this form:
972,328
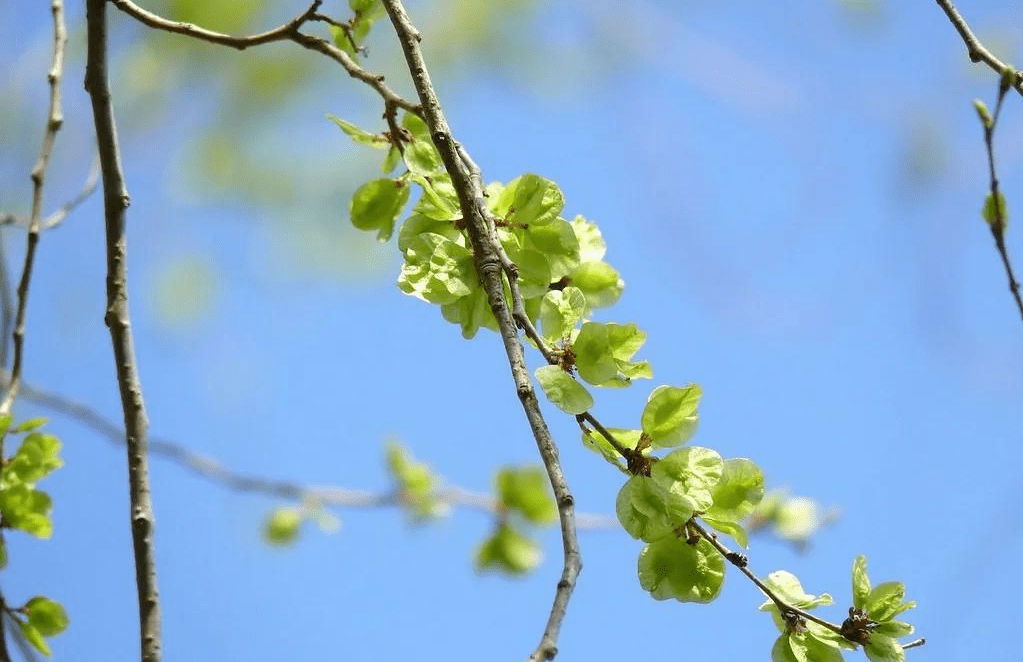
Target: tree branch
490,268
283,32
975,49
214,471
54,120
117,317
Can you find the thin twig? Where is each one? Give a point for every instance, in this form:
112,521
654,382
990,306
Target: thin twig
975,49
736,560
54,120
489,267
998,220
57,217
213,470
117,317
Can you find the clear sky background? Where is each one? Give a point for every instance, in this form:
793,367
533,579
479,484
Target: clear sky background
791,193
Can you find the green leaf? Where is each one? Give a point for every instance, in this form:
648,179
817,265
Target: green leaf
3,553
885,601
560,311
508,550
599,282
371,8
530,200
36,457
422,158
470,312
996,217
729,527
377,204
593,356
437,270
782,649
439,200
807,648
391,160
46,616
672,568
527,490
35,637
418,224
860,582
894,629
688,475
598,444
796,519
591,244
415,125
5,423
27,509
557,241
670,417
281,527
735,495
603,353
361,136
30,424
534,271
625,340
787,587
884,649
359,30
560,388
416,483
646,512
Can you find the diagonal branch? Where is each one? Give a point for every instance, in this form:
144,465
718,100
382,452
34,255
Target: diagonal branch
490,268
115,202
975,49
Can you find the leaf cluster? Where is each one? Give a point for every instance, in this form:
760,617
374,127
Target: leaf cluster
26,508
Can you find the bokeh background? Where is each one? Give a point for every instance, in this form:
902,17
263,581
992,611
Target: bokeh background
790,190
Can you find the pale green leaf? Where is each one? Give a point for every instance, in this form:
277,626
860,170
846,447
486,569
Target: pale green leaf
672,568
560,388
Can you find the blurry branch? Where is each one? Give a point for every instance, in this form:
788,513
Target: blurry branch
118,320
54,120
214,471
995,210
466,181
975,49
287,32
57,217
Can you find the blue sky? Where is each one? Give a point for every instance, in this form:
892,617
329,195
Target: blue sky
752,171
